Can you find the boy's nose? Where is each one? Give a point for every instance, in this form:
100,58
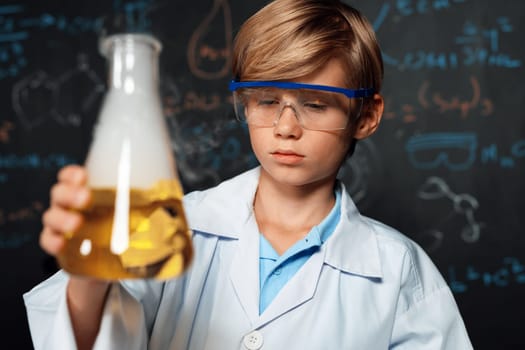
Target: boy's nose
287,124
291,111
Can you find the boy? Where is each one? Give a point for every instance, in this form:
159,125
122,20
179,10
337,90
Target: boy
283,259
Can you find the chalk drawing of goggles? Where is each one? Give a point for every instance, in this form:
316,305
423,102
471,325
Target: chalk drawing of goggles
456,151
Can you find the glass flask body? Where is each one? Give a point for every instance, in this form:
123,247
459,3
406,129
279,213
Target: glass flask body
135,226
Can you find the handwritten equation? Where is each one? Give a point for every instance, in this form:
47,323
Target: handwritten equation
18,28
470,103
413,7
17,224
10,162
11,220
474,44
510,272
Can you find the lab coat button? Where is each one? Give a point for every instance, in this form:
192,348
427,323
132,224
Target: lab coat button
253,340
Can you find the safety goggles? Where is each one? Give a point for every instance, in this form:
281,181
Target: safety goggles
316,107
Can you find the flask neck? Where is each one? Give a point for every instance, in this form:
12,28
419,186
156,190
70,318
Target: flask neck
133,63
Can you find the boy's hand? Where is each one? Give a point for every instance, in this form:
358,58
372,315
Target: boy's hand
70,192
85,296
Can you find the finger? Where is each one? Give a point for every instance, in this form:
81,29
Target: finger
62,221
73,174
70,196
51,241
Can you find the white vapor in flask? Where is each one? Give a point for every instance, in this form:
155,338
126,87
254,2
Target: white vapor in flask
135,226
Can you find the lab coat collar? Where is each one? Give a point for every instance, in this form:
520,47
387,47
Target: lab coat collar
210,211
352,248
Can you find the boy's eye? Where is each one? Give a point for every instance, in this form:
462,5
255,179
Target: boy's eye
267,101
317,106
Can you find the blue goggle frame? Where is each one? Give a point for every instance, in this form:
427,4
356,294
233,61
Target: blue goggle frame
350,93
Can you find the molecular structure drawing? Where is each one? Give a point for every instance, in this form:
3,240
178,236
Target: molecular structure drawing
462,204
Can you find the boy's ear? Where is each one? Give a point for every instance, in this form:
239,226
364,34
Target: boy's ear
370,118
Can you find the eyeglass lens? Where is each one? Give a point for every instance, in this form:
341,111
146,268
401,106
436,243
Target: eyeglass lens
315,110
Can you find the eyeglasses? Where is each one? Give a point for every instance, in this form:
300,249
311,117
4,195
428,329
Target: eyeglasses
316,107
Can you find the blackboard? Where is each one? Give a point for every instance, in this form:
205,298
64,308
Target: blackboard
446,167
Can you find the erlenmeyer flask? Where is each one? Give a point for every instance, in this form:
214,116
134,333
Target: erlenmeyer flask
136,226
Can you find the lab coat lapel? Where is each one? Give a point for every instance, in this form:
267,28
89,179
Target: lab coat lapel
194,285
299,289
244,272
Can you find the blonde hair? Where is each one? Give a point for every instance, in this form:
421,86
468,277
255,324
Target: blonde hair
289,39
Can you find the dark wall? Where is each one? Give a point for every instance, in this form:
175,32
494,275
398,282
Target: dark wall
446,167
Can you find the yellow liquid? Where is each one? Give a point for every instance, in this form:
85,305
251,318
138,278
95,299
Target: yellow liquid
157,243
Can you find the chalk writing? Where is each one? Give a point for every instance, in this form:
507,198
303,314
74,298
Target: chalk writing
408,8
492,155
201,54
30,212
5,131
411,7
195,101
18,28
30,161
457,151
72,26
474,37
135,15
463,204
474,45
211,144
209,148
9,219
510,272
14,239
471,103
85,90
454,103
362,174
12,57
34,87
38,97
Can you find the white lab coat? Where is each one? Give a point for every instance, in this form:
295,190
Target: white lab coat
367,288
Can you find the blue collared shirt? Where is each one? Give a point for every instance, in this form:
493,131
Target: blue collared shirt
275,270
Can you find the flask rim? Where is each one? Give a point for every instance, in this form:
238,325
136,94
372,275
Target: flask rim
106,43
